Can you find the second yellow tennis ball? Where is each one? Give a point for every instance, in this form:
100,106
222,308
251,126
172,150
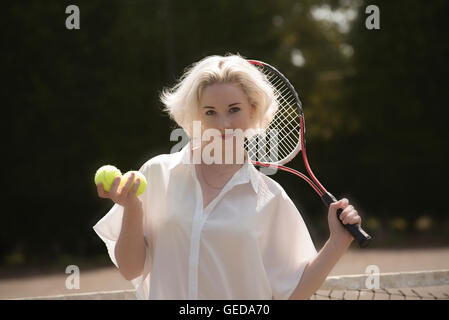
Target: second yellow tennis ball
137,175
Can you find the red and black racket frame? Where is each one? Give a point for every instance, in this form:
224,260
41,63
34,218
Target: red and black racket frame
362,238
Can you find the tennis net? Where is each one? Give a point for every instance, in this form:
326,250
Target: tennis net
418,285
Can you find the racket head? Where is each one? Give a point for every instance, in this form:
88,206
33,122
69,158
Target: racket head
281,141
292,140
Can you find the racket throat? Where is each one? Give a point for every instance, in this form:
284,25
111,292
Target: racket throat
328,199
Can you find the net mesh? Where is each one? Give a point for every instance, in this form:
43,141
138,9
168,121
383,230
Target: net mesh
422,285
281,141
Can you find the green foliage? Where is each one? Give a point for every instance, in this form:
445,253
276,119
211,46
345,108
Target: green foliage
397,94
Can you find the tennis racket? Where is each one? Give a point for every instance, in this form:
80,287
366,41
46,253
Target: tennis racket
284,139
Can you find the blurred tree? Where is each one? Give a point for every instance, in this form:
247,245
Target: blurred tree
397,96
77,99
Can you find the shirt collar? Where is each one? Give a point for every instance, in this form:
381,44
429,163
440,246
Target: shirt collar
248,173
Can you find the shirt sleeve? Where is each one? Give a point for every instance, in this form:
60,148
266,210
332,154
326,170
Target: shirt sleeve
288,248
109,227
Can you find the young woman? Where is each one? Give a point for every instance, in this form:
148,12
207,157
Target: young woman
209,225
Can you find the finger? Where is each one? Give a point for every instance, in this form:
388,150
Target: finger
114,187
100,191
350,217
335,206
346,217
135,186
127,186
345,212
343,203
354,219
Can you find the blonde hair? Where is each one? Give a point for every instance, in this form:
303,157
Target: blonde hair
181,101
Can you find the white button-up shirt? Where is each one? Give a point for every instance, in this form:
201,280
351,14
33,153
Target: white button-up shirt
250,242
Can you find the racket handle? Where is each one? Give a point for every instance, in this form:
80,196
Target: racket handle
362,238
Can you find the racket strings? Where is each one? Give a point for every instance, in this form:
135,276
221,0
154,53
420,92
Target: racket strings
287,114
290,136
282,138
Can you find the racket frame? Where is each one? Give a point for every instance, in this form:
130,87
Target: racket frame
361,237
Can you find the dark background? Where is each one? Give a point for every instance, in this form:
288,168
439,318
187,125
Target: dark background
375,103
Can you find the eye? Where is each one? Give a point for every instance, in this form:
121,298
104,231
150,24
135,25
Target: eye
210,112
235,109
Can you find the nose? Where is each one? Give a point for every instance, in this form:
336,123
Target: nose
224,124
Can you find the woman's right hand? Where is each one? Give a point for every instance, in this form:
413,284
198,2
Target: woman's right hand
124,196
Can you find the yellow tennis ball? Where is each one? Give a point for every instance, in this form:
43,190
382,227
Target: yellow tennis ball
106,175
137,175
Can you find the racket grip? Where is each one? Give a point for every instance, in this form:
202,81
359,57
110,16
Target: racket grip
360,236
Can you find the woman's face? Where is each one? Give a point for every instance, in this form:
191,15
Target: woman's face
225,106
